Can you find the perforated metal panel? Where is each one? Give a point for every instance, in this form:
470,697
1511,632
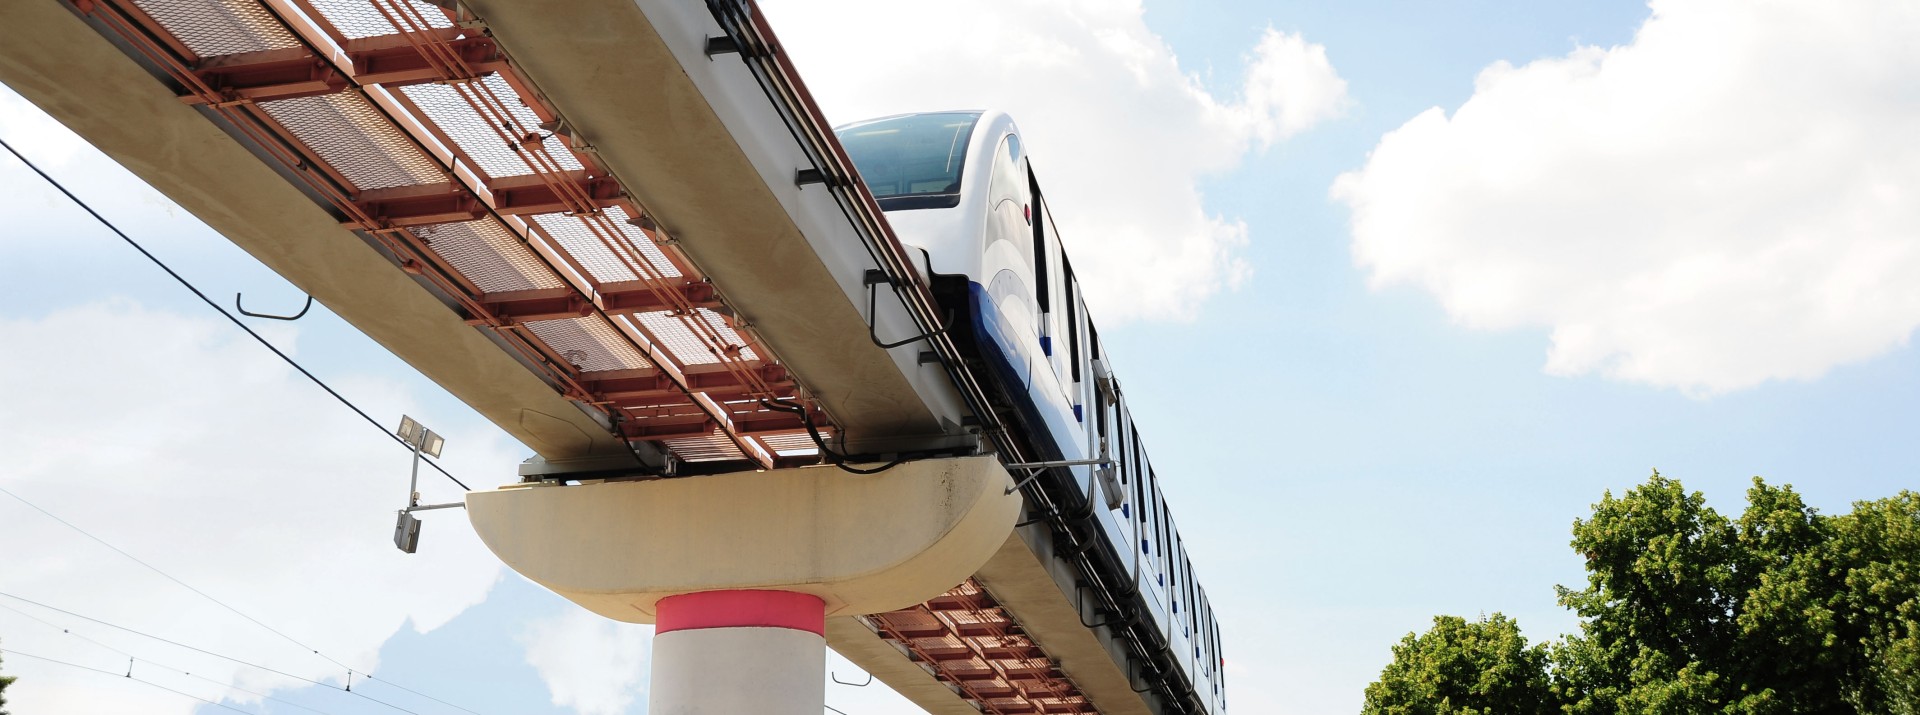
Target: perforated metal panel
972,644
594,254
219,27
475,134
358,18
589,343
487,254
790,445
350,134
713,447
686,347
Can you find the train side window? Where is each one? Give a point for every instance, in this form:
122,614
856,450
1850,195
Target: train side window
1177,570
1219,660
1072,298
1133,466
1100,428
1159,528
1206,629
1133,441
1173,573
1160,501
1037,218
1193,617
1186,588
1152,508
1213,649
1186,585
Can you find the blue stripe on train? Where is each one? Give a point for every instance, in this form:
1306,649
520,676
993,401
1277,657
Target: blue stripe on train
1014,367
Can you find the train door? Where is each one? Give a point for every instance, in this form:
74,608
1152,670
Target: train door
1052,384
1206,659
1052,294
1220,669
1179,587
1153,573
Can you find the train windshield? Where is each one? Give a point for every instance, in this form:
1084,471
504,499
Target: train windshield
911,161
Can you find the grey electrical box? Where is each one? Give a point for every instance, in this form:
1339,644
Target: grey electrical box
1110,484
406,533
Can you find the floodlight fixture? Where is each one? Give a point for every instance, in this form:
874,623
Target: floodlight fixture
419,437
410,431
406,531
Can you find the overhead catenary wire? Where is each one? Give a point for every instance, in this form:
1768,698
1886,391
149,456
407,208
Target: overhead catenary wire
169,577
222,311
126,676
351,671
222,656
131,658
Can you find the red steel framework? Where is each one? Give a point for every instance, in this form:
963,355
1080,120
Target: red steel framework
967,641
421,134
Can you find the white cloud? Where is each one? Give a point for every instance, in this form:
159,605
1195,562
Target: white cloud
1732,198
179,440
1120,134
592,664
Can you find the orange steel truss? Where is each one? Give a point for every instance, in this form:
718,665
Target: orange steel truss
966,640
420,134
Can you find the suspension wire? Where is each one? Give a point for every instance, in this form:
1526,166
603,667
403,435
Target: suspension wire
169,577
223,311
290,639
131,658
126,676
204,651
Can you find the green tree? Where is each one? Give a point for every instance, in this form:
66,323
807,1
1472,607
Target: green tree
4,682
1784,610
1460,668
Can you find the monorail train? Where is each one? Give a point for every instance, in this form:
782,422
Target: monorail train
958,187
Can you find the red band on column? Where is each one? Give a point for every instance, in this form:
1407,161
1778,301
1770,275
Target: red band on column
741,609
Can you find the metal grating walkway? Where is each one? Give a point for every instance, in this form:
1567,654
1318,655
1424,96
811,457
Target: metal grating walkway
424,138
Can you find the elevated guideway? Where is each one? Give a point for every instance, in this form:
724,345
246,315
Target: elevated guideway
621,231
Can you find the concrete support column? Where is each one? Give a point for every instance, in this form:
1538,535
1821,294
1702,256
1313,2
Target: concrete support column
727,652
739,571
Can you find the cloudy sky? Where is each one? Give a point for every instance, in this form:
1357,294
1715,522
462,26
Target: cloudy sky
1397,289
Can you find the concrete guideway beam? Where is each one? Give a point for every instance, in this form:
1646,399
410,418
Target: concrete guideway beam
861,543
174,148
698,144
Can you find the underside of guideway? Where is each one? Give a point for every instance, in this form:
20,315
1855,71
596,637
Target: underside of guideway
586,251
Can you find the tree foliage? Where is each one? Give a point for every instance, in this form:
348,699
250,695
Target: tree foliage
1461,668
4,682
1784,610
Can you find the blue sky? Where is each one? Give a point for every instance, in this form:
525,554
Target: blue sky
1364,414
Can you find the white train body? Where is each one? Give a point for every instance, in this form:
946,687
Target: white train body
958,186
